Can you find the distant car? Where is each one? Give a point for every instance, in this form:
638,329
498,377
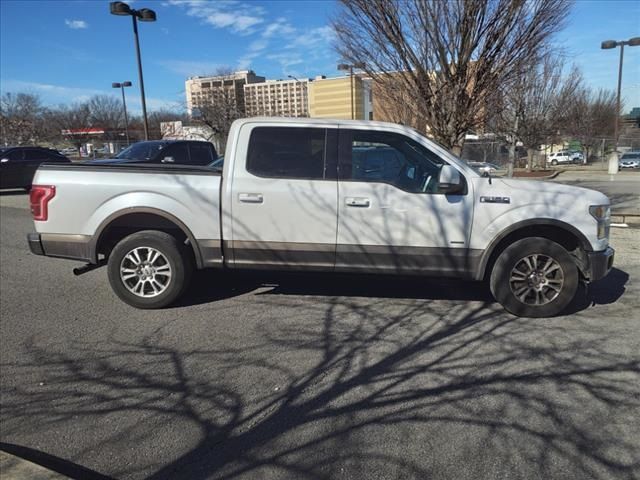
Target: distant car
577,157
69,151
18,164
484,168
565,157
179,152
629,160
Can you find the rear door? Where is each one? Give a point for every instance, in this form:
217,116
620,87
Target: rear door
284,197
391,215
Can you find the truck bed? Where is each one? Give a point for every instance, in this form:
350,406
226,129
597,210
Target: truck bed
88,197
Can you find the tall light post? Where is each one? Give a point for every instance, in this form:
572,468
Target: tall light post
606,45
124,105
349,67
305,100
144,15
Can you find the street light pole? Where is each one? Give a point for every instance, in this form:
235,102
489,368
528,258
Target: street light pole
350,67
141,80
124,106
144,15
304,95
609,44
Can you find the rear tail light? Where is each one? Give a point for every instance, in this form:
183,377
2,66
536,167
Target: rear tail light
39,200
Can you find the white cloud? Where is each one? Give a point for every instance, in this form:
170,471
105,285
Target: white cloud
320,37
76,24
53,93
281,27
240,18
58,94
286,60
189,68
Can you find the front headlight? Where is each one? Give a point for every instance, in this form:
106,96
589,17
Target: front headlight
602,214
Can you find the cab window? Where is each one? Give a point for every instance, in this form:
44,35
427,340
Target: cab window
287,152
369,156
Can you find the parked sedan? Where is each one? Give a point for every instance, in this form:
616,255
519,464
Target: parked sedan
18,164
629,160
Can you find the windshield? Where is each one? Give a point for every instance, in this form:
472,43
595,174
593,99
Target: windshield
141,150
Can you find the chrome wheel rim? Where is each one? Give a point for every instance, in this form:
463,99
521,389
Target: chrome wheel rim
145,272
536,279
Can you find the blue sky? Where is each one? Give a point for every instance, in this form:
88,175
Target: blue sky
69,50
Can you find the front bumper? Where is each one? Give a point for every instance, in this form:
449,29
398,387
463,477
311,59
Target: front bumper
600,263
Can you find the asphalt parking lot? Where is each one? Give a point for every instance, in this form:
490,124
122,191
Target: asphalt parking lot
622,188
315,377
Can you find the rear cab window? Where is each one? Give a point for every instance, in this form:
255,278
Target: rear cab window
287,152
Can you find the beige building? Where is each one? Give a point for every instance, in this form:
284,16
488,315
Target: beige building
205,90
277,98
340,97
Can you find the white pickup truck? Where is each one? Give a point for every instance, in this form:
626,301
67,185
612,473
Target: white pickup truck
323,195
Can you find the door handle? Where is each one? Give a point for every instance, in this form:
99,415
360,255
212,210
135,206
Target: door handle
250,197
357,202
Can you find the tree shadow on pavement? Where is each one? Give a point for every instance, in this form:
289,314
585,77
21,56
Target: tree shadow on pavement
355,387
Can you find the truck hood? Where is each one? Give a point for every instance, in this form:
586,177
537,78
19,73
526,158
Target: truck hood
552,192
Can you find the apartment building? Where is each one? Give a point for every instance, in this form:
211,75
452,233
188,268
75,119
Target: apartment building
203,90
277,98
341,97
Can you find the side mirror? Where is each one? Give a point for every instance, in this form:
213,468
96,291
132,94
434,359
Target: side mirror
450,180
4,160
167,160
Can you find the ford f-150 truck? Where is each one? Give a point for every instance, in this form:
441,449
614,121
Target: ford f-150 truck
323,195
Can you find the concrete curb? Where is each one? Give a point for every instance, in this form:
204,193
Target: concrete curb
625,217
548,177
16,468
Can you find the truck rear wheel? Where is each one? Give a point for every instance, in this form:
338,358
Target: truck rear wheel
149,269
534,277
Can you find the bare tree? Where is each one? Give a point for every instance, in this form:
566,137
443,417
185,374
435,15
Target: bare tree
395,104
590,118
20,119
533,109
106,113
72,122
452,54
222,105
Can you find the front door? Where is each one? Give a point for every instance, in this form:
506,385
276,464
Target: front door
391,215
284,197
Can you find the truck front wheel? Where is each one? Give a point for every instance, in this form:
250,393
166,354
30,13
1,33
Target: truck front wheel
534,277
149,269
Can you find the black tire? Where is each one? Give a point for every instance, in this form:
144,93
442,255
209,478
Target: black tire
170,284
509,266
554,162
